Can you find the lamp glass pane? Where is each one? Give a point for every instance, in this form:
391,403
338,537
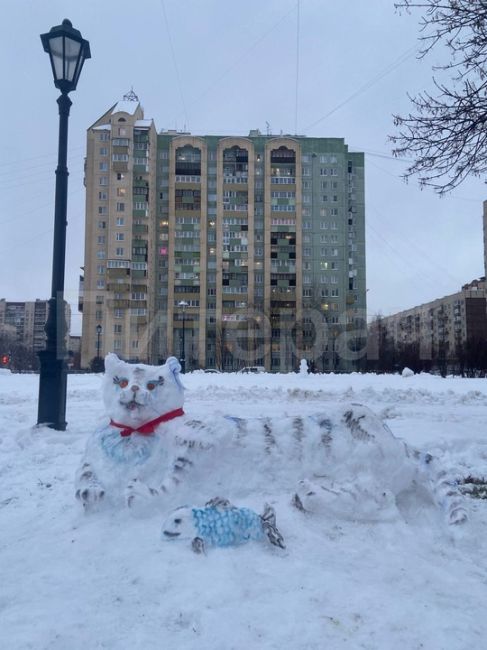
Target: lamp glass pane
72,53
56,52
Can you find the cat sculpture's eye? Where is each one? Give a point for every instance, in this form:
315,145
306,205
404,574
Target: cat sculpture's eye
153,384
177,521
123,382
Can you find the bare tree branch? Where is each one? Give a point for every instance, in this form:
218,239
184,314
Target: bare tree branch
445,132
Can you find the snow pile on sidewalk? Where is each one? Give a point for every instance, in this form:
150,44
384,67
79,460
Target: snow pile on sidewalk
107,581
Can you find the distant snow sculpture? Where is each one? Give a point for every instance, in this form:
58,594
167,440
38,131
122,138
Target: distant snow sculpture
221,524
407,372
303,367
149,453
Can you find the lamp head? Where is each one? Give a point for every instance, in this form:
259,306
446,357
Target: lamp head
67,51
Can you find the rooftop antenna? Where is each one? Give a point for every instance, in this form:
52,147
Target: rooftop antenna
268,128
131,96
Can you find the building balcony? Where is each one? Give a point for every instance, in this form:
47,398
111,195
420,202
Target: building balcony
140,229
118,287
188,178
120,166
118,303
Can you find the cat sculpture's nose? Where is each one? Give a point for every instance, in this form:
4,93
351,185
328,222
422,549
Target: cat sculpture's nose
134,388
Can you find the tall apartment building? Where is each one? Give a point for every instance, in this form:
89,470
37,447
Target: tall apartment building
249,250
24,322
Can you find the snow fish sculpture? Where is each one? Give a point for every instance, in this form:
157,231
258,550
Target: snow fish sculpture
151,450
221,524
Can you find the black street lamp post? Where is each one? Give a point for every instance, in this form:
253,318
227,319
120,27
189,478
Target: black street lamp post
183,304
98,360
67,51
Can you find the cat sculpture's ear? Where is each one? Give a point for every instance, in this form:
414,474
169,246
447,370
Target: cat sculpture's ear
175,368
111,361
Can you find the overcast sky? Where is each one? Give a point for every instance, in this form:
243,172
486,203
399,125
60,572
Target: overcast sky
220,67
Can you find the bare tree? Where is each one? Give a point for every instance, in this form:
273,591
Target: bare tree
446,132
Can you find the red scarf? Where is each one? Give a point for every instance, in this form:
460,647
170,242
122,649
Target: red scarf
149,427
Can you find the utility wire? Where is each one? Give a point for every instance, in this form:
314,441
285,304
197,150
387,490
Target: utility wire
297,72
243,56
174,60
44,155
401,59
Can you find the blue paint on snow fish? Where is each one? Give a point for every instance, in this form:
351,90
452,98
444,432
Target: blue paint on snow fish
221,524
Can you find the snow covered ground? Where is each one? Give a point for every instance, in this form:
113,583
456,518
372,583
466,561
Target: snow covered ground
73,581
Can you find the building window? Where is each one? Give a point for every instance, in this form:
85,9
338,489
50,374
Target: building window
103,151
102,224
117,344
101,239
120,207
118,313
104,136
100,269
119,236
120,221
103,166
118,157
103,196
103,180
121,191
117,329
100,284
100,255
102,209
120,176
119,252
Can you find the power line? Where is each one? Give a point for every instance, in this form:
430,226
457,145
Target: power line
44,155
401,59
174,60
243,56
297,71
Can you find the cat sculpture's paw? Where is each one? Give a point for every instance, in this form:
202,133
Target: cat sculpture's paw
90,495
140,498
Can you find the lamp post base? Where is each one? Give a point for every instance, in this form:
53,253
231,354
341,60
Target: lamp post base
53,379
